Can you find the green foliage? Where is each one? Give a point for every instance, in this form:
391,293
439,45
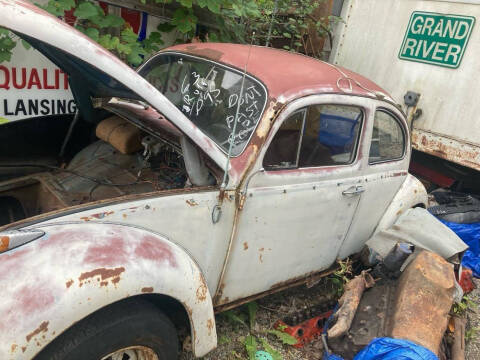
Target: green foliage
223,339
268,348
233,20
283,337
250,346
461,307
471,334
6,45
233,318
252,308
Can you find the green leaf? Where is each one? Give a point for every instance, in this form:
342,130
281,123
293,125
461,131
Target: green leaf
128,35
87,10
124,49
109,42
287,35
252,313
26,45
186,3
5,56
251,346
92,33
114,20
234,318
268,348
4,31
283,337
184,20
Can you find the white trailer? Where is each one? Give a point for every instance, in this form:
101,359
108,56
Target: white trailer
425,47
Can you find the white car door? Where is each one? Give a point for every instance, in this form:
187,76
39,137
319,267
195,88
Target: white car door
298,210
386,168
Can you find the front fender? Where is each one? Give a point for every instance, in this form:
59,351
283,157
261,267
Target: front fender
412,193
78,268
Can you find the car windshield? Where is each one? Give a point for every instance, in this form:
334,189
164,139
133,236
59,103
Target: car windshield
208,94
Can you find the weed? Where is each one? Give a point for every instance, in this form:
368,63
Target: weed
251,346
461,307
472,333
252,308
283,337
268,348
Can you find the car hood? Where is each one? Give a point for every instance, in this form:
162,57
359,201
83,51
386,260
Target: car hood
93,71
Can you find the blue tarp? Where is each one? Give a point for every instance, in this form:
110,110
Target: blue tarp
470,234
394,349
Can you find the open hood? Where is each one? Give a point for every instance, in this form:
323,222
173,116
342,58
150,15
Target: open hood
93,71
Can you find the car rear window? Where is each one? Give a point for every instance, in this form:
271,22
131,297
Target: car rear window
208,94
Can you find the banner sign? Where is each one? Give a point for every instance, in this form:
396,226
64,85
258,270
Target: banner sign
436,39
31,85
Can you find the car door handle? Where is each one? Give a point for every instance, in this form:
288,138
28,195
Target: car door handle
354,190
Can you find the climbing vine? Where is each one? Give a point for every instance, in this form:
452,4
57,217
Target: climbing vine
294,23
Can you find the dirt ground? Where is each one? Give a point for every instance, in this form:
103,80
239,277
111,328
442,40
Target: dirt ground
233,327
473,325
232,331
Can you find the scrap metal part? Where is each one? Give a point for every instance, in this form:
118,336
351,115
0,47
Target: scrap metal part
349,303
423,300
458,347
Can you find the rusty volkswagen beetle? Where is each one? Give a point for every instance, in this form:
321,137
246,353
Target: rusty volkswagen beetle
212,165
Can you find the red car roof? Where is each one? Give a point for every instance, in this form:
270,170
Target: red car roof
287,75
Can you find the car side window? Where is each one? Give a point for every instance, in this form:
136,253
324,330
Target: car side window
320,135
283,150
330,135
388,138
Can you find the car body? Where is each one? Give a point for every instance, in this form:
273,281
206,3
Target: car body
206,241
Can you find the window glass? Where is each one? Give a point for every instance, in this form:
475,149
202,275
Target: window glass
283,150
208,94
330,136
388,140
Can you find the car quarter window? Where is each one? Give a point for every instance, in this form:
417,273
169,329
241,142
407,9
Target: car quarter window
327,134
388,138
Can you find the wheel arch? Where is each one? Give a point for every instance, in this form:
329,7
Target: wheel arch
411,194
79,268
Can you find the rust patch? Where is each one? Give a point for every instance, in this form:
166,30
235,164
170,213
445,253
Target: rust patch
208,53
191,202
85,218
147,289
245,246
13,348
399,212
210,326
24,348
4,242
260,257
104,274
42,328
69,283
202,290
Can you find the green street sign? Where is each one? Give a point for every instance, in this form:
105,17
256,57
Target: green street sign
436,39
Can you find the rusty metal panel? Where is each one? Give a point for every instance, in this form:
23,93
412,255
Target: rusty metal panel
423,301
449,126
455,150
78,268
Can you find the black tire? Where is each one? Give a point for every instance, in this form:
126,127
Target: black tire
128,323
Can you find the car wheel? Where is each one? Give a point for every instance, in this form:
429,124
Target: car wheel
129,330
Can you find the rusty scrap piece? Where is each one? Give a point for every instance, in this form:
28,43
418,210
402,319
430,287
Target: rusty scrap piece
349,303
458,347
423,301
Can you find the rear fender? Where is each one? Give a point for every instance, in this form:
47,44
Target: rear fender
412,193
78,268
